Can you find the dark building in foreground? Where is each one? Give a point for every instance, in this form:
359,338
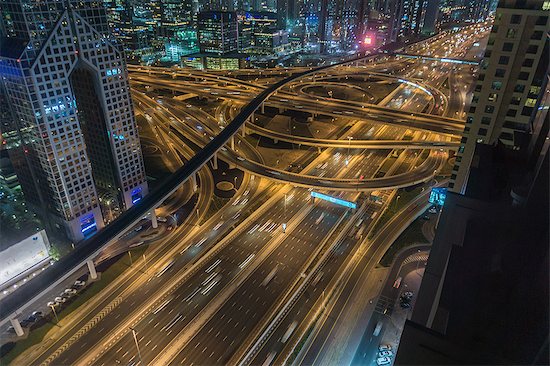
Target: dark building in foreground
484,294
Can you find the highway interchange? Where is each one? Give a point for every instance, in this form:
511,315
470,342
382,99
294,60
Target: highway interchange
212,289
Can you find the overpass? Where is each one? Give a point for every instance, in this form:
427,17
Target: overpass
88,249
355,144
438,59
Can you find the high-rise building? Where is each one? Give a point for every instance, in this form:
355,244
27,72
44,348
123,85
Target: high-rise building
176,16
510,83
259,33
217,32
66,80
413,17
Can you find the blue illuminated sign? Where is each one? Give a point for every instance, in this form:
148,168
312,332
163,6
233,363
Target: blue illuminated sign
136,195
438,195
88,225
335,200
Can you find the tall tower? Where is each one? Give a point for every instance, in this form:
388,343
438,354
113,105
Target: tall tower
510,85
66,80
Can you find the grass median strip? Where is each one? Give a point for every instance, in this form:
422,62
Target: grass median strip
411,236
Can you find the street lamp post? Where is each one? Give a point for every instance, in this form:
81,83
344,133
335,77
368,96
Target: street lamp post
55,314
284,223
349,147
145,262
137,344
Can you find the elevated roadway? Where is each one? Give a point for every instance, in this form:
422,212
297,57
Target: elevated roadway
88,249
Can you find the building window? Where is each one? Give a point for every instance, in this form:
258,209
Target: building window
536,35
527,110
507,136
492,97
489,109
519,88
511,112
542,20
523,75
496,85
515,19
470,119
511,33
482,132
485,120
532,49
503,60
499,73
528,62
515,100
507,46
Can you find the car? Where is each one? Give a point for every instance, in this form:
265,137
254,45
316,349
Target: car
79,283
432,210
138,228
384,347
26,323
425,217
35,316
52,304
60,299
385,353
161,219
383,361
70,291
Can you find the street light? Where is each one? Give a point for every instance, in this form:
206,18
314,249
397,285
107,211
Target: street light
54,313
137,344
418,260
349,147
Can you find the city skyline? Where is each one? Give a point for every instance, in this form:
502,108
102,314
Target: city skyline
305,182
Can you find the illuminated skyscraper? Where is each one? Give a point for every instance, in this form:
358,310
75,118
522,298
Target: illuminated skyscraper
66,81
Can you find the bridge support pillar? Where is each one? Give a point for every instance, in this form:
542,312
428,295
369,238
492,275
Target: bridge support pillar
276,141
17,326
319,150
91,268
243,130
232,142
215,161
263,108
194,181
154,222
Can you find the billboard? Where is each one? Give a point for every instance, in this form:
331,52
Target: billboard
335,200
24,256
438,195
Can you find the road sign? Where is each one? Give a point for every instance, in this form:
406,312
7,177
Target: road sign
335,200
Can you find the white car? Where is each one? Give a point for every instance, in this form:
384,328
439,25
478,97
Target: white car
60,299
383,361
161,219
70,291
79,283
384,347
385,354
